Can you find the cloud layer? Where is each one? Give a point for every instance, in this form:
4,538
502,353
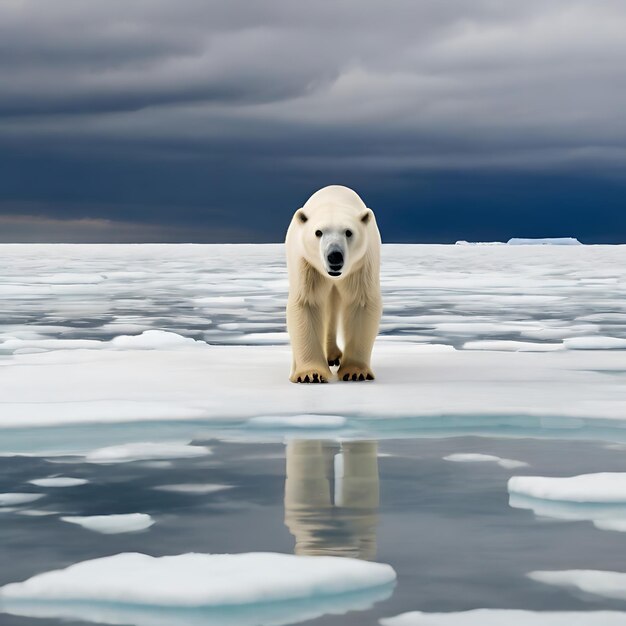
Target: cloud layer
299,94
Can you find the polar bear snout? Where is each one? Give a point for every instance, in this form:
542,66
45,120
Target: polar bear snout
334,260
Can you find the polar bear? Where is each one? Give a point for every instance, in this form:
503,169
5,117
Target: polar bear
333,262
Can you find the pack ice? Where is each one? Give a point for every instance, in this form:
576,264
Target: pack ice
121,333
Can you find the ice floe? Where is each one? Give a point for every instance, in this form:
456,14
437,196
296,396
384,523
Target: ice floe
468,457
11,499
209,589
125,453
598,498
150,340
112,524
512,346
595,343
197,489
604,487
605,584
58,481
508,617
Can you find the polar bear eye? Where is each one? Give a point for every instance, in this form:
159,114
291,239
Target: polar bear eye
318,233
348,234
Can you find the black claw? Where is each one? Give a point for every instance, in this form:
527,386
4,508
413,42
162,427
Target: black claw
346,376
306,379
361,377
315,376
299,379
370,377
336,361
353,376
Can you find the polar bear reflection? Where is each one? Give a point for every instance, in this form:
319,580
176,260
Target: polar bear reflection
322,525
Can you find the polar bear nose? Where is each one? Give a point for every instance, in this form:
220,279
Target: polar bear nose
335,260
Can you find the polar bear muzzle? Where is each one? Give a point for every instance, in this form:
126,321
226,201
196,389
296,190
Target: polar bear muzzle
335,261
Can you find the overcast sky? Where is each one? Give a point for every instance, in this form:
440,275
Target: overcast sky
194,120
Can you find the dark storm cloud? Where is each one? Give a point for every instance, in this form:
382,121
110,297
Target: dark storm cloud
214,113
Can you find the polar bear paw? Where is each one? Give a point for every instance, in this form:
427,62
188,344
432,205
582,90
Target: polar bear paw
355,372
334,357
310,375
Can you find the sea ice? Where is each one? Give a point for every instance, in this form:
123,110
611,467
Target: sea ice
605,487
11,499
150,340
484,458
298,421
193,488
112,524
145,450
128,583
181,294
512,346
545,241
508,617
58,481
606,584
595,343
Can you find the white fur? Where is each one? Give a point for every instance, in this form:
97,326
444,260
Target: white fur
320,304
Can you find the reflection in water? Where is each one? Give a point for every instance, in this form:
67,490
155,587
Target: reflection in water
331,497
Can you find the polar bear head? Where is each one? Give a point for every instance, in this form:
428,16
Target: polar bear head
334,230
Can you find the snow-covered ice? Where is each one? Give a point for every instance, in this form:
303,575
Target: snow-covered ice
203,321
126,453
462,457
604,487
112,524
508,617
144,590
605,584
58,481
599,498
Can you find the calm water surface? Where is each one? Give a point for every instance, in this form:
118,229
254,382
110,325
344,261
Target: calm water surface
446,528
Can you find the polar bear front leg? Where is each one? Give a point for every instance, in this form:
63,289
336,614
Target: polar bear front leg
360,327
305,323
333,353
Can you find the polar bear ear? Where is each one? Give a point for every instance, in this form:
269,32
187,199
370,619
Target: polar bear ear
301,216
365,218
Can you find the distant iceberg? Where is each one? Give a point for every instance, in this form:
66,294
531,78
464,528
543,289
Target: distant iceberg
519,241
462,242
547,241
